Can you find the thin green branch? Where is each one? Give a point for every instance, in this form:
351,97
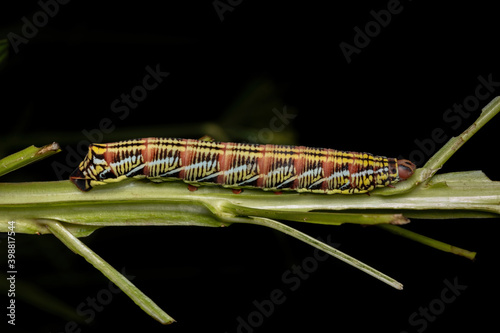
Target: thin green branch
27,156
326,248
437,161
428,241
112,274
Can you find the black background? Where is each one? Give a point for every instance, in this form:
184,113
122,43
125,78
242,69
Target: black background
394,92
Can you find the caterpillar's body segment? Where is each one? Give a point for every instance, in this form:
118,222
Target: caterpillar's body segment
239,165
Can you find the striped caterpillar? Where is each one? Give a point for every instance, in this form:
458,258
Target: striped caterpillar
239,165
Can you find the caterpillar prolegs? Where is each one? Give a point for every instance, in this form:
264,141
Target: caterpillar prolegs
239,165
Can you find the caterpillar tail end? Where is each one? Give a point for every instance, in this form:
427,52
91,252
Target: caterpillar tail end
80,180
406,169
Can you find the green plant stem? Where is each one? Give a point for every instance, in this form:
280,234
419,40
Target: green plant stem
437,161
59,208
27,156
464,194
428,241
112,274
326,248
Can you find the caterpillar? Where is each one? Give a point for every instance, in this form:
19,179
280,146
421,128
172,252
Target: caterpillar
239,165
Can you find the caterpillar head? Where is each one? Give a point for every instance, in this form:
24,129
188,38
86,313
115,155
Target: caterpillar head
93,170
